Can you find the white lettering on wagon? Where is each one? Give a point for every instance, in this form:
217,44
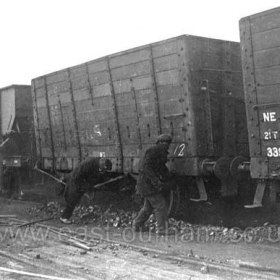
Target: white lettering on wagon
269,117
180,148
97,129
273,152
270,134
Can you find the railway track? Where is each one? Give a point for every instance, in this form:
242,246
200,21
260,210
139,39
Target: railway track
76,256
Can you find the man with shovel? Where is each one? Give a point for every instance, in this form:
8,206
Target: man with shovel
88,173
151,183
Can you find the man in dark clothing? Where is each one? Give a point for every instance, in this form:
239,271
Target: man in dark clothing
152,182
80,181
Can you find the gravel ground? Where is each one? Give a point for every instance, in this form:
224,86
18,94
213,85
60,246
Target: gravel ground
216,230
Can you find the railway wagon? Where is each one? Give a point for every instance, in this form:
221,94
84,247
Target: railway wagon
260,47
16,122
16,117
116,106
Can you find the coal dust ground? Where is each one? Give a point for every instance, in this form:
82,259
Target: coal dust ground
217,211
221,219
257,247
219,230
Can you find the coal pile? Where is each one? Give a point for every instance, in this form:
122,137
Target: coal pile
92,214
119,218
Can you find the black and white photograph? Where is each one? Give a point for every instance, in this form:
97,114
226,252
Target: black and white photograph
139,140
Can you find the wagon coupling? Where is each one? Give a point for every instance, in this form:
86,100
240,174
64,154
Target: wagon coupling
225,167
227,170
239,167
220,167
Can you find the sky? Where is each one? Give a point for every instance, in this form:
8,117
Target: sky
42,36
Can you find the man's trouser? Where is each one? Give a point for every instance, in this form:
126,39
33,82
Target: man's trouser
152,203
72,196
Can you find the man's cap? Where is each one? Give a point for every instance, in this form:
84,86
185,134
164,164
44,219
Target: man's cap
164,138
105,164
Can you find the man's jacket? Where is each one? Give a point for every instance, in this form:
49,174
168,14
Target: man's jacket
153,171
86,174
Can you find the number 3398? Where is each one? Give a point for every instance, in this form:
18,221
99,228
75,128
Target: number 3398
273,152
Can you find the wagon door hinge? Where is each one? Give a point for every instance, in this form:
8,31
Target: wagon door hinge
116,117
204,87
74,115
137,113
50,123
155,88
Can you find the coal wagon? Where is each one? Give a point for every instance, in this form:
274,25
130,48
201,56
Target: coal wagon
260,45
16,122
116,106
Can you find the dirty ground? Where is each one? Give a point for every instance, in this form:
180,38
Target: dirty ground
118,253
